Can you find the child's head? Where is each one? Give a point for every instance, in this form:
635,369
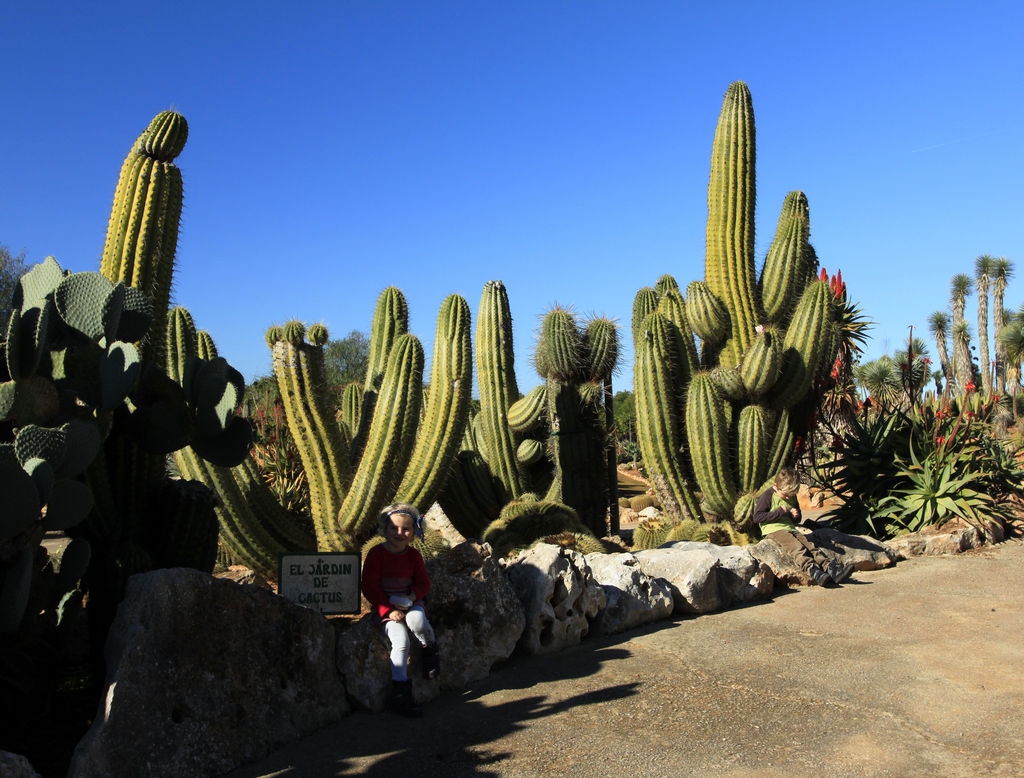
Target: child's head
384,518
787,481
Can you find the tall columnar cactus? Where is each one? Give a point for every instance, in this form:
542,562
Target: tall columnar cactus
575,364
740,404
402,456
729,258
142,236
447,408
496,379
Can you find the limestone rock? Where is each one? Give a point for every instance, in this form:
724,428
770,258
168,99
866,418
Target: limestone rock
704,577
436,519
865,552
953,537
650,512
16,766
204,675
559,596
362,659
633,597
476,615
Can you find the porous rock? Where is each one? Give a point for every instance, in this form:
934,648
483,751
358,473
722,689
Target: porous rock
204,675
704,577
632,597
559,597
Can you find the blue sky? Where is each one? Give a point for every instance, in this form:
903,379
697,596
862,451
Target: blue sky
340,147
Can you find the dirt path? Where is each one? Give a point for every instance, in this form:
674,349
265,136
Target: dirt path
913,671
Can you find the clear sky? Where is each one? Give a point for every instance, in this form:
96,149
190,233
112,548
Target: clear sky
561,146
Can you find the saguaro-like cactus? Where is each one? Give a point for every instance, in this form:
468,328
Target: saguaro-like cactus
763,342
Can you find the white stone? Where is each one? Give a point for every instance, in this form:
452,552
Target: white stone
559,597
632,597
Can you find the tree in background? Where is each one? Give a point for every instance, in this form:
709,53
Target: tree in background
960,288
346,360
938,325
984,266
12,267
1002,272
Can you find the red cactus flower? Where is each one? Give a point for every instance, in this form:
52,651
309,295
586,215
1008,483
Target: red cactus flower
798,446
970,387
927,361
824,275
940,440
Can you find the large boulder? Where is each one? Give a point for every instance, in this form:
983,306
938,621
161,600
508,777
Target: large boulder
704,577
952,537
633,597
362,659
204,675
863,551
476,615
559,597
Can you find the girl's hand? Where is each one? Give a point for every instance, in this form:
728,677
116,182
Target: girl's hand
795,513
397,615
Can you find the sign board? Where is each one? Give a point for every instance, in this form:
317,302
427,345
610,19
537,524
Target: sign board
328,582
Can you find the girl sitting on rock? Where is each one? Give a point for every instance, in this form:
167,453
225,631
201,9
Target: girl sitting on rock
395,582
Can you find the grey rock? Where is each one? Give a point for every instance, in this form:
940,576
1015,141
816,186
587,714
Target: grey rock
559,597
863,551
633,597
476,614
204,675
704,577
16,766
436,519
650,512
953,537
362,659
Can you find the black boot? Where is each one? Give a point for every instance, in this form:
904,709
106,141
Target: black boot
402,701
839,572
431,661
818,575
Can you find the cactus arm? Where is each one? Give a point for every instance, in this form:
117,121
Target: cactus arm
707,434
388,446
783,272
318,442
497,383
659,420
807,338
447,407
729,260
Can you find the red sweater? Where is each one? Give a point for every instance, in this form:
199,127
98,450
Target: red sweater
386,573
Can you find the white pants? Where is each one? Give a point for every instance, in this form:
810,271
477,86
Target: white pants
398,633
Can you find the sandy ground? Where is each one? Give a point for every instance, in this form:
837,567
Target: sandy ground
912,671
